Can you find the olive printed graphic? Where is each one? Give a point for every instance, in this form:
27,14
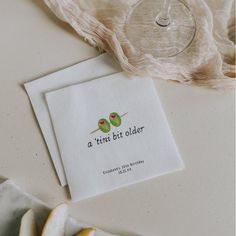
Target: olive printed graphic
115,119
104,125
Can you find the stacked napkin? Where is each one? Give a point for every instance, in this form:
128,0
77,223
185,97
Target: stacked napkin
104,129
84,71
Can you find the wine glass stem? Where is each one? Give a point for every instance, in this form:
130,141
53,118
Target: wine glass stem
163,18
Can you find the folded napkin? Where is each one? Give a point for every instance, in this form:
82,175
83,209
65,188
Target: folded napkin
209,61
14,203
111,132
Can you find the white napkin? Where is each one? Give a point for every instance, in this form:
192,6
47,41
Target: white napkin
139,148
14,203
90,69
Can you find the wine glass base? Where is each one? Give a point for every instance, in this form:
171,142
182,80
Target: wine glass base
146,36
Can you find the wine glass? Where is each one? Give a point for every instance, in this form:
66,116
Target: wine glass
162,28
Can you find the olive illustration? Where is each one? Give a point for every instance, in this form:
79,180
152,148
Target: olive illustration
115,119
104,125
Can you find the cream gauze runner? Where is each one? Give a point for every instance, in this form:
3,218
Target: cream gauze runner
209,61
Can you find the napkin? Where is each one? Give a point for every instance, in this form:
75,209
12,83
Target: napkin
111,132
87,70
14,203
209,61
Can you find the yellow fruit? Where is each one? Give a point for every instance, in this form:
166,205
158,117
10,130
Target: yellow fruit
86,232
55,224
28,226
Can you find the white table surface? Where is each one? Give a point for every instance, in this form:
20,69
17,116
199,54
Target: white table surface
198,201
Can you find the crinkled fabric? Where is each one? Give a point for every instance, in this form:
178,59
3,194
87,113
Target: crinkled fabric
209,61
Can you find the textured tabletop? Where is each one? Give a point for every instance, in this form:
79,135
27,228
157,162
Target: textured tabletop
196,201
